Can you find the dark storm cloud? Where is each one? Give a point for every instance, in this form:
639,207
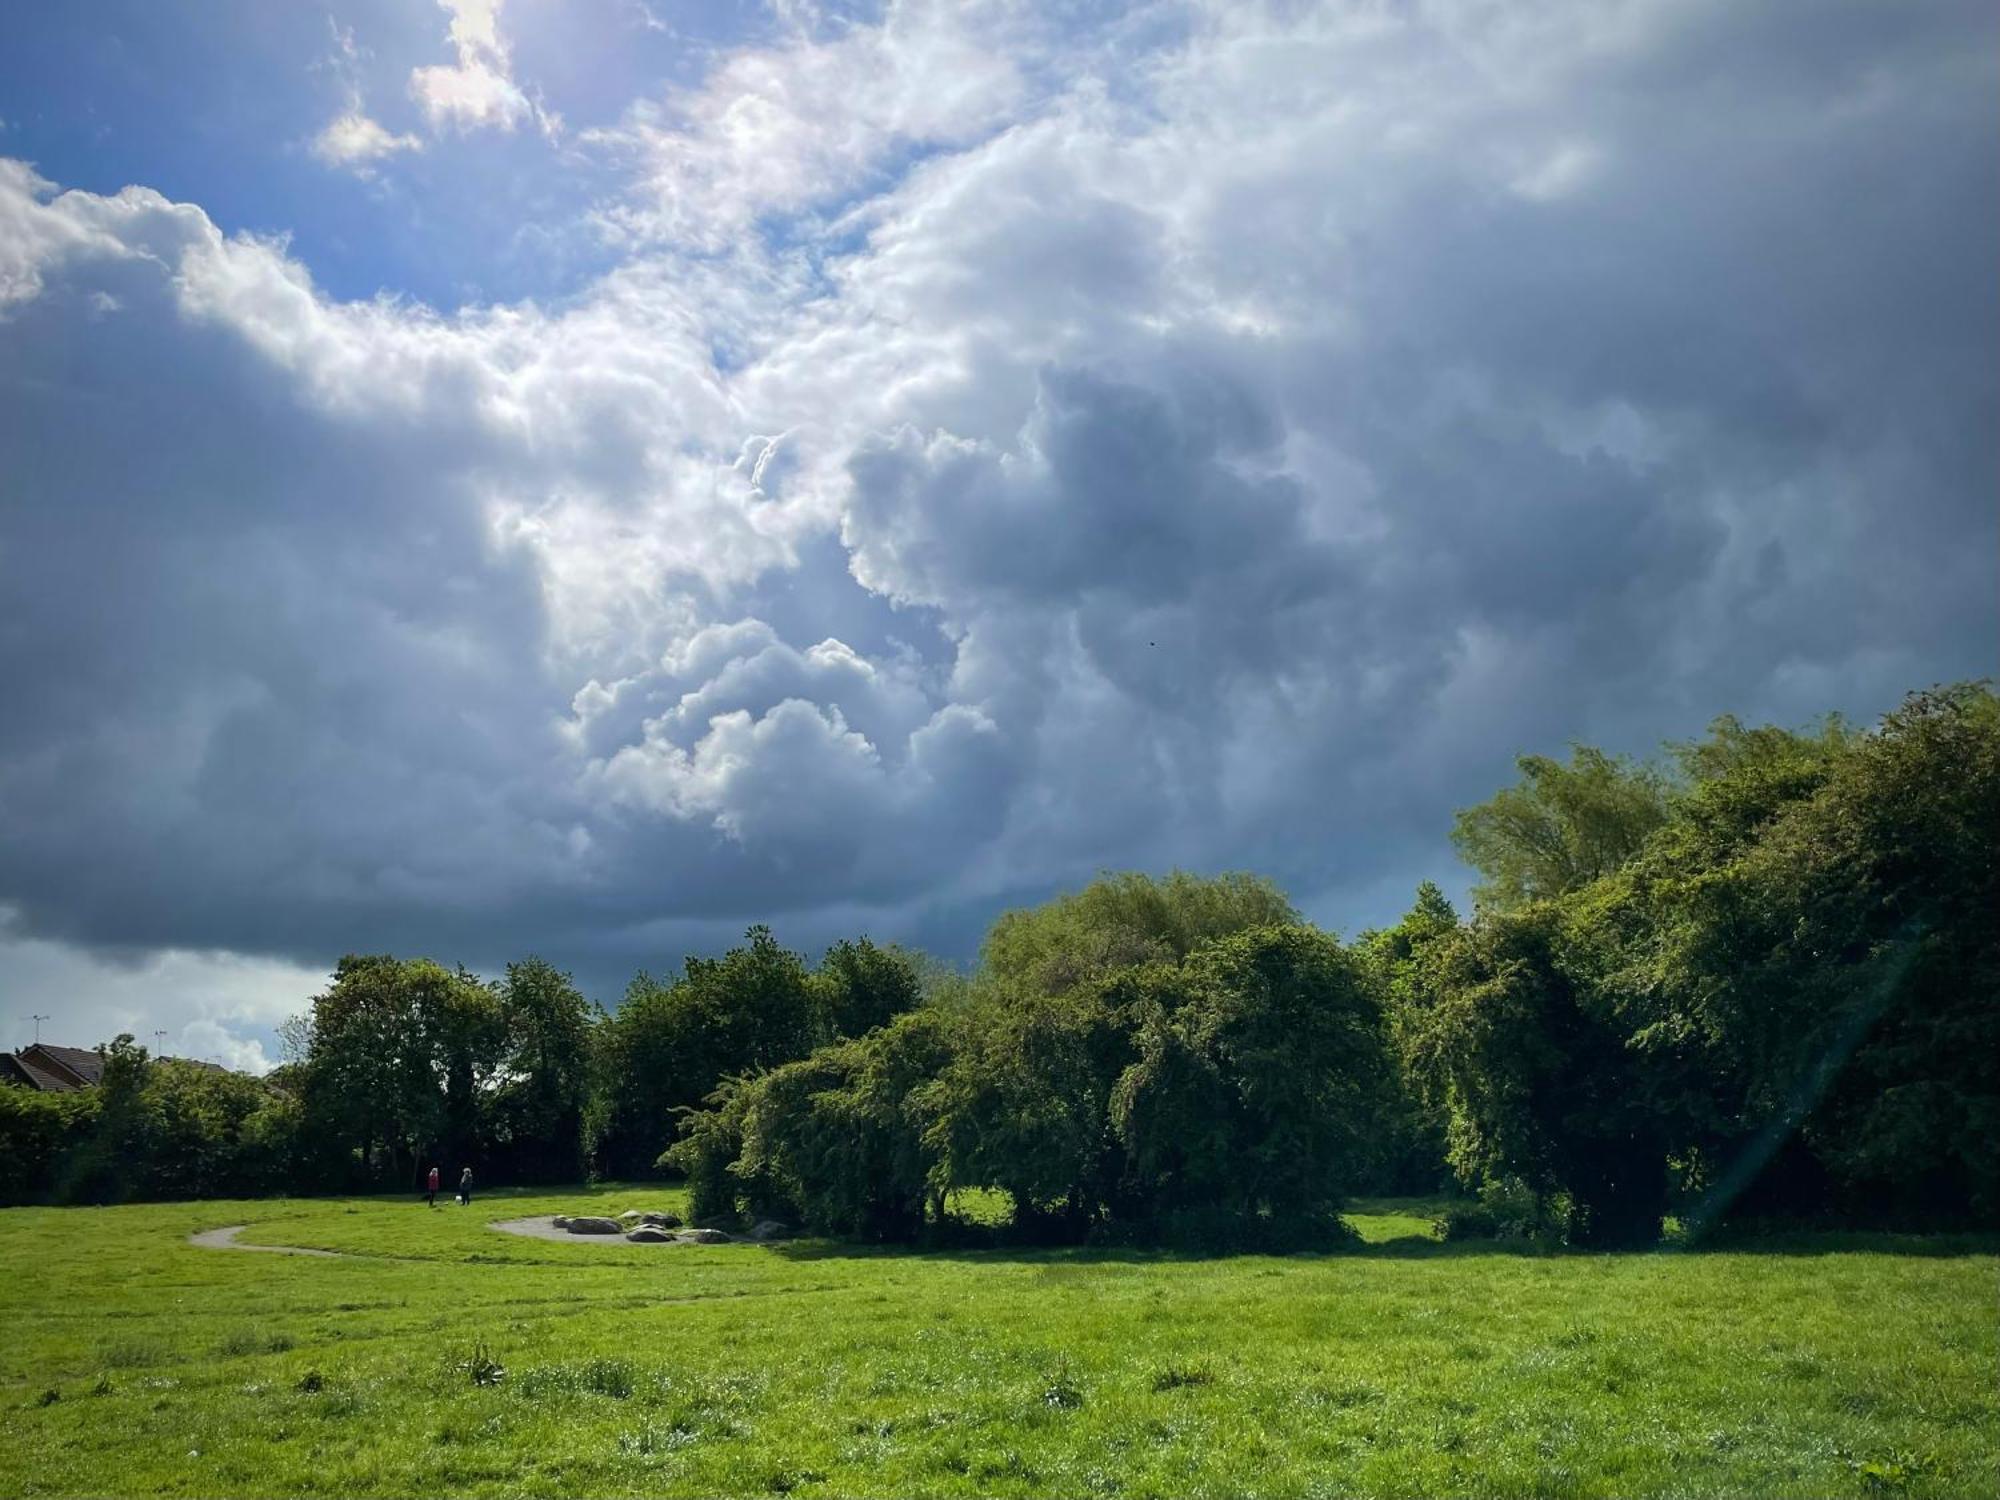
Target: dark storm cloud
1237,477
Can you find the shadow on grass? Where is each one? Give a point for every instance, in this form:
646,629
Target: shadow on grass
1405,1248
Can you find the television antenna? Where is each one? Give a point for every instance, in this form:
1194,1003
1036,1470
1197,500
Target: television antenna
159,1042
38,1028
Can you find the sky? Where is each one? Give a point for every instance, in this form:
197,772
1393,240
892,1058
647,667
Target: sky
579,477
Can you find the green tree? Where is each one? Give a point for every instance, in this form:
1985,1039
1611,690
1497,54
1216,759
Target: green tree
1560,827
537,1113
861,987
1411,1132
670,1046
1532,1072
398,1053
1811,954
1263,1070
1122,921
1023,1105
845,1134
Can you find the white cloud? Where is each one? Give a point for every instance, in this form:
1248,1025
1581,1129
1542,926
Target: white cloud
777,130
354,140
478,91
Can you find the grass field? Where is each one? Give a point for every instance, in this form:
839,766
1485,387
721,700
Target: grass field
135,1363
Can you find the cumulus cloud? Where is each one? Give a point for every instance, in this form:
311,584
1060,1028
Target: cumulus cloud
1224,440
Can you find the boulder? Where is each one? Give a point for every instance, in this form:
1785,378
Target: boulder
702,1237
662,1221
767,1230
632,1216
646,1234
594,1226
561,1221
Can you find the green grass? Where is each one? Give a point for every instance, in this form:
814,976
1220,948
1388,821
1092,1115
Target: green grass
442,1358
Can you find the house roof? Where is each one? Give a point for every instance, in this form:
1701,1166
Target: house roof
81,1064
36,1071
12,1071
61,1070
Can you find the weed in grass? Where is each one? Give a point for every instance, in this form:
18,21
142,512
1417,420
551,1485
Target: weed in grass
49,1397
1061,1392
782,1479
596,1377
480,1367
1174,1377
654,1438
103,1386
241,1341
133,1354
311,1383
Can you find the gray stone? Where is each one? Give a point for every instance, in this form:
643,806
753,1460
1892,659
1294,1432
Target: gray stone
561,1221
632,1215
702,1237
663,1221
646,1234
594,1226
770,1229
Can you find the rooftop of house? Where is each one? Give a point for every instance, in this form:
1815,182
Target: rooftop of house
54,1069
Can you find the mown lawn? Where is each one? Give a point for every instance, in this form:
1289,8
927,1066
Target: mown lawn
134,1363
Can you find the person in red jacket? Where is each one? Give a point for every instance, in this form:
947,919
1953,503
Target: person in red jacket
431,1189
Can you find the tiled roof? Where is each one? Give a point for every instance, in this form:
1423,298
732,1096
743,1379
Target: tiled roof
86,1065
38,1074
11,1071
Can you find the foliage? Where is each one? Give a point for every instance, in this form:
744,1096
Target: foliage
37,1131
154,1128
535,1119
1536,1079
1785,994
1559,827
1257,1081
1754,982
1507,1209
1124,921
843,1135
861,987
670,1045
398,1055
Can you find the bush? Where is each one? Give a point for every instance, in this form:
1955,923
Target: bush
37,1133
1508,1209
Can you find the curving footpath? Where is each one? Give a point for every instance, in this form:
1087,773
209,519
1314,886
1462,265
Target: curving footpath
225,1239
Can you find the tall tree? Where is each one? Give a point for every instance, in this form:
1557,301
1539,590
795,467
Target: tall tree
538,1109
1560,827
861,986
669,1046
1121,921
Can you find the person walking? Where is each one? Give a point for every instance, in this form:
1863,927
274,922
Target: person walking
465,1187
431,1188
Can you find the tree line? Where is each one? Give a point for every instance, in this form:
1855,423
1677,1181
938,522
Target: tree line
1755,980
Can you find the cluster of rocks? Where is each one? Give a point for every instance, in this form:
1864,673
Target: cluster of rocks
665,1229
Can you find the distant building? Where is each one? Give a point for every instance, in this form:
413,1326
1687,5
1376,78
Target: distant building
63,1070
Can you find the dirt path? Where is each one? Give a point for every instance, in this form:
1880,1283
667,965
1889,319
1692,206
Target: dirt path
225,1239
